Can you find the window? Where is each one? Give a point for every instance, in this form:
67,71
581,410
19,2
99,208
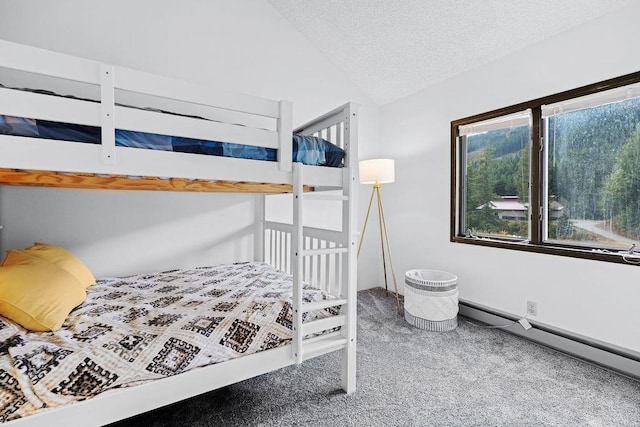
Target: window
558,175
496,176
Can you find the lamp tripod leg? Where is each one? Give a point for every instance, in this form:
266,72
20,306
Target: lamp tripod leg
366,219
382,233
383,226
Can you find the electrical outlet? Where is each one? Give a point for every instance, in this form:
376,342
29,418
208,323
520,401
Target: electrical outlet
532,308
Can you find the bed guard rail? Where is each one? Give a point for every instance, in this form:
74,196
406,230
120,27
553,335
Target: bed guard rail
326,249
118,86
324,260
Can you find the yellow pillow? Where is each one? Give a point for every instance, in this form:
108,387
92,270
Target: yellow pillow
38,295
63,259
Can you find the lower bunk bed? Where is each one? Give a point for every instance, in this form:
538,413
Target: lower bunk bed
133,330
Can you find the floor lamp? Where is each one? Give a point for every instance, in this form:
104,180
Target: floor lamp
377,172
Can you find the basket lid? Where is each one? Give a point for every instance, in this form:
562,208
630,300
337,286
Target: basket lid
431,277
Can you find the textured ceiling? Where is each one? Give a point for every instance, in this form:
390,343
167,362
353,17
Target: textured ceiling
394,48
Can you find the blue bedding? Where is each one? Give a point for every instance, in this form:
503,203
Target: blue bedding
308,150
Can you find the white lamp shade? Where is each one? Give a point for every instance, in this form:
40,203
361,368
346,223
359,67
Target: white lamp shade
377,171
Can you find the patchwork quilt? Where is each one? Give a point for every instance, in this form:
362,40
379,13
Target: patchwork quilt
144,327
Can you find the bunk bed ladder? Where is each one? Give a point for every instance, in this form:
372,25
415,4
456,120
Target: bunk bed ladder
339,330
305,344
323,258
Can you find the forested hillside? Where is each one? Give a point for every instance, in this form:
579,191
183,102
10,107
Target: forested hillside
594,169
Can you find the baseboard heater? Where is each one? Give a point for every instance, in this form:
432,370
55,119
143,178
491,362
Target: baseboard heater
620,360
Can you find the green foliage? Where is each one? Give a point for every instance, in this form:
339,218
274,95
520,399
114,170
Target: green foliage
504,171
582,151
498,166
593,169
621,193
503,141
521,177
563,227
480,192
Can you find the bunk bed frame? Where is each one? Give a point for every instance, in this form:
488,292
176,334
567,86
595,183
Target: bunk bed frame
324,258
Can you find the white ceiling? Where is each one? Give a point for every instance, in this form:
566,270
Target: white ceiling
394,48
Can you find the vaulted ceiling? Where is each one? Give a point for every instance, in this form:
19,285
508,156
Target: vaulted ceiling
394,48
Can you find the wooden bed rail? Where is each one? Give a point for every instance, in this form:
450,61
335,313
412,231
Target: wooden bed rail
36,178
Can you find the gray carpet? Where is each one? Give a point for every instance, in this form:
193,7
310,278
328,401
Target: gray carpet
410,377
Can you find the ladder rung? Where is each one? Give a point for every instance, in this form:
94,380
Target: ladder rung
323,324
324,251
321,305
314,196
321,347
322,337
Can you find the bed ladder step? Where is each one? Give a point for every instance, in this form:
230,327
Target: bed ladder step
320,196
324,251
323,324
322,346
321,305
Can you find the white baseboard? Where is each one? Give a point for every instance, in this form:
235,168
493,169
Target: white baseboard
620,360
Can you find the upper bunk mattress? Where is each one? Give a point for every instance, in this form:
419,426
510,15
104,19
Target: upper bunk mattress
145,327
308,150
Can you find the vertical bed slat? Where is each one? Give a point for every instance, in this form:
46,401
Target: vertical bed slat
283,247
327,271
312,262
316,262
274,244
107,105
325,265
285,238
279,249
259,243
338,288
272,252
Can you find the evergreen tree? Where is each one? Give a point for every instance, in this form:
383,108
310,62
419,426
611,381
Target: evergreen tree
480,191
582,150
621,194
564,228
521,177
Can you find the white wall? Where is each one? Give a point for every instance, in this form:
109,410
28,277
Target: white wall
128,231
594,299
242,45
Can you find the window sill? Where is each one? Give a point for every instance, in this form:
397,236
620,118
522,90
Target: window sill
553,249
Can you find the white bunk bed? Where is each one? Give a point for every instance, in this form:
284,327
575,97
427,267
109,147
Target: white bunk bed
324,258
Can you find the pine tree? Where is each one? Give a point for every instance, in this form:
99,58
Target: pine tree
621,194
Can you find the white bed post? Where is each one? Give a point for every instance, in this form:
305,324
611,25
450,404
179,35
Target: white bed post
349,224
285,133
297,243
260,218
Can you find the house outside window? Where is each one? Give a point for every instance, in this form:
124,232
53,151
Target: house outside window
559,174
496,176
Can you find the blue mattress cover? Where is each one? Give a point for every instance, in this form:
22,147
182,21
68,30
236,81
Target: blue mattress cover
308,150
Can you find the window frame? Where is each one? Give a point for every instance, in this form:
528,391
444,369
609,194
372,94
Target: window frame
536,241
